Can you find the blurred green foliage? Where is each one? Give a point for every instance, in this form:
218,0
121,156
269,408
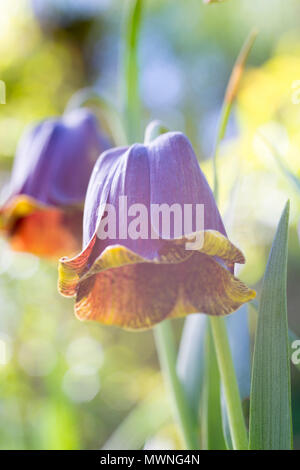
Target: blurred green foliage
67,384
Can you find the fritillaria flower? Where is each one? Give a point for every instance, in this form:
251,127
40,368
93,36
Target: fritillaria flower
43,202
133,271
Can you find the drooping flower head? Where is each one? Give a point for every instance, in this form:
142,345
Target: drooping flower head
135,269
43,202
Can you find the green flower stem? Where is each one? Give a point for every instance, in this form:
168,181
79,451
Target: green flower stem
231,390
167,356
153,130
232,396
132,102
110,114
225,113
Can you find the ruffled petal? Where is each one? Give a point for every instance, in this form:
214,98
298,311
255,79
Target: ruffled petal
122,288
74,271
138,296
71,271
208,287
211,242
132,297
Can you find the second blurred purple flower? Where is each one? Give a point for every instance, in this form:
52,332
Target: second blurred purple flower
43,203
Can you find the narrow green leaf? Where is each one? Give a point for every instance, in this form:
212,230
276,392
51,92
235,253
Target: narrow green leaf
270,400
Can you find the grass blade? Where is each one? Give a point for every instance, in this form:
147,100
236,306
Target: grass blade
270,400
230,95
143,421
280,162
